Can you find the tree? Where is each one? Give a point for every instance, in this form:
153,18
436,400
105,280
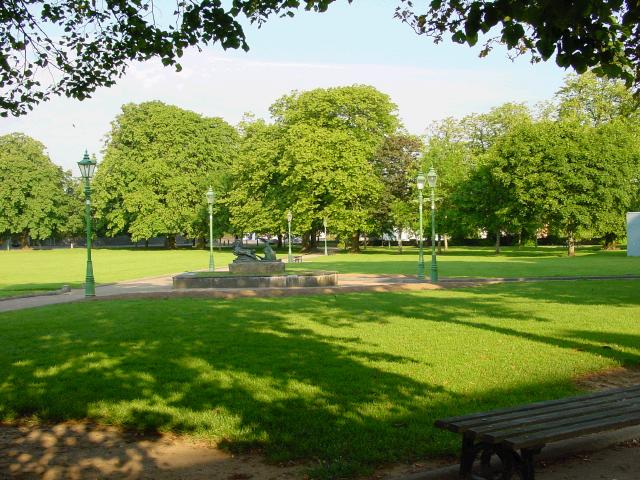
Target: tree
158,163
450,150
581,33
576,179
470,196
594,101
396,164
81,46
316,160
36,196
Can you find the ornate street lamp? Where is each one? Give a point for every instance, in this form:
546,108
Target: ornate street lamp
420,180
211,197
432,179
324,223
289,218
87,168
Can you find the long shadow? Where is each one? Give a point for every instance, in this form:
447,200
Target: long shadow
298,379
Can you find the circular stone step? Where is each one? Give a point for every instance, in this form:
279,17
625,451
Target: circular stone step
226,280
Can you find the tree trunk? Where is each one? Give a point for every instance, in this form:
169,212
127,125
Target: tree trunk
307,239
610,241
354,247
571,245
170,242
446,243
439,244
400,241
279,241
364,243
24,240
146,243
201,243
498,235
520,239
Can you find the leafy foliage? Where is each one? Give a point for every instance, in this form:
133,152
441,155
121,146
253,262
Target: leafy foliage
71,48
158,164
315,160
580,33
37,198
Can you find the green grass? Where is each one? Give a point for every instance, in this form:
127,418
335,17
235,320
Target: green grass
345,382
36,270
481,262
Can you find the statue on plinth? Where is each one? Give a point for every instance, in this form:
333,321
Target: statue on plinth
247,261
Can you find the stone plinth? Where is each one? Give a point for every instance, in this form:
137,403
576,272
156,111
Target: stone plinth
311,279
256,268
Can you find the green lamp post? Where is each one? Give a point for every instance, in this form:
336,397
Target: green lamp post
211,197
432,178
324,224
289,218
420,181
87,168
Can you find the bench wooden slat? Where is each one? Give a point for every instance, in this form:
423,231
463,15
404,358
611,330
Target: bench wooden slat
537,439
569,422
462,423
546,417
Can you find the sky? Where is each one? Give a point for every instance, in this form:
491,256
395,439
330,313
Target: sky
359,43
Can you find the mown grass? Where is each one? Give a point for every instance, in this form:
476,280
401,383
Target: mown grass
481,262
352,381
37,270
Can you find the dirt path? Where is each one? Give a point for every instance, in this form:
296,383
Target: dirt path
83,451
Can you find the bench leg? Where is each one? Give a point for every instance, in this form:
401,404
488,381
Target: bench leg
467,457
528,458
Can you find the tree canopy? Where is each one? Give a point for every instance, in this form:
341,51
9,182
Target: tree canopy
158,164
317,160
71,48
37,198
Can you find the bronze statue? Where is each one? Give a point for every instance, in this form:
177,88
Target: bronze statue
248,255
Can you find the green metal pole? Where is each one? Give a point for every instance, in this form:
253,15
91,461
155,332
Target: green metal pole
89,283
434,264
211,265
421,252
290,259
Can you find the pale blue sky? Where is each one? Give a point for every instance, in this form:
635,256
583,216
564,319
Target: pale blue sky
359,43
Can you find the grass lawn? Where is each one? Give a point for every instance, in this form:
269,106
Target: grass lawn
481,262
352,380
35,270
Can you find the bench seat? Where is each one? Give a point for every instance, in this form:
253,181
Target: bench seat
529,428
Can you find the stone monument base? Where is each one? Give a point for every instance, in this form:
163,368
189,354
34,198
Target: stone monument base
256,268
308,279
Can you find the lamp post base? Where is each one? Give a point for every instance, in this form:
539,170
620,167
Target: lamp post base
421,271
434,273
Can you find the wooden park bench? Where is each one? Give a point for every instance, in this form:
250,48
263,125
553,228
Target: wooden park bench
297,259
529,428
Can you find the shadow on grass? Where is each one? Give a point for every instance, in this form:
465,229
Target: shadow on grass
252,376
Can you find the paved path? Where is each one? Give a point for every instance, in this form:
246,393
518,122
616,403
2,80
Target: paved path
161,287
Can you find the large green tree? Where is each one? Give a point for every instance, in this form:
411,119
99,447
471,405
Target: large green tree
37,198
317,160
575,179
158,163
84,45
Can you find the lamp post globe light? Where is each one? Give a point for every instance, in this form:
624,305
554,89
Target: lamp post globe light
324,224
211,197
420,181
432,179
289,218
87,168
